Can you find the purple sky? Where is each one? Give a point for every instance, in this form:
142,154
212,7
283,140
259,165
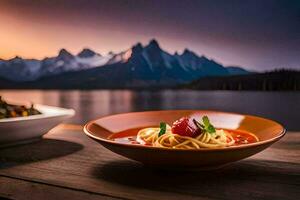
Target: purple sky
256,34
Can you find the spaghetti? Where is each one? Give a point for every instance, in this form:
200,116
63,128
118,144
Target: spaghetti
185,133
220,138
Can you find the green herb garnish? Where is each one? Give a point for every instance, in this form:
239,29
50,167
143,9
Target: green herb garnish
163,128
206,126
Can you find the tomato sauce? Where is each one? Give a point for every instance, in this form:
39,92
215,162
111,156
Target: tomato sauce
242,137
129,136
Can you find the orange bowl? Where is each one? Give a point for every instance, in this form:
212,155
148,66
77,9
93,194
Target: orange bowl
266,130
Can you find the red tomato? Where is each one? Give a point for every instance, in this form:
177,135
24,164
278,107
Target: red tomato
185,127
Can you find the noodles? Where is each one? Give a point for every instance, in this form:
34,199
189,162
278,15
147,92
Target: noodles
219,138
186,133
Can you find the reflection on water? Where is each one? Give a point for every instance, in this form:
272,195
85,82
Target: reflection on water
280,106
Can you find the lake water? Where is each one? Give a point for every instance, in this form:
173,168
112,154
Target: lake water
283,107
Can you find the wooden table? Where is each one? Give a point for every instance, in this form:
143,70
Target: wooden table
68,165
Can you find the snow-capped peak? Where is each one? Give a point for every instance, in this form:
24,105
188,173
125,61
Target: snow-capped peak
64,54
95,60
120,57
153,44
188,53
138,48
146,57
85,53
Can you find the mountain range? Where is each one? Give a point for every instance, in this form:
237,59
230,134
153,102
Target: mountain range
139,66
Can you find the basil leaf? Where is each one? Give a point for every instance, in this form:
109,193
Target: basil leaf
206,121
211,129
208,127
163,128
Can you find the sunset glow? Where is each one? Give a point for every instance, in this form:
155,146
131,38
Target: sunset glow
30,38
38,29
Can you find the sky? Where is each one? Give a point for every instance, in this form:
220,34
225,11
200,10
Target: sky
256,34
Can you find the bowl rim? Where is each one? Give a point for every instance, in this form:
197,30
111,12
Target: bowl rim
243,146
46,112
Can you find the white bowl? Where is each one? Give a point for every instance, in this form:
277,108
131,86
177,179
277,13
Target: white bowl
26,129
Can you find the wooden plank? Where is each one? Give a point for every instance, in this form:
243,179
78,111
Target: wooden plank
67,158
19,189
